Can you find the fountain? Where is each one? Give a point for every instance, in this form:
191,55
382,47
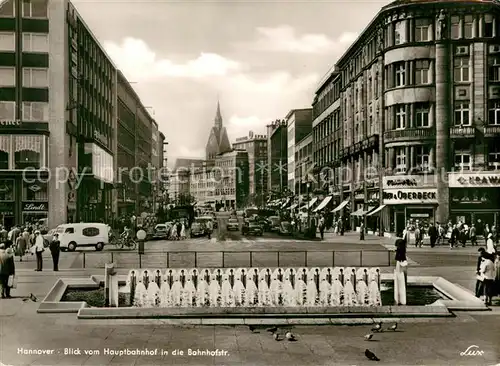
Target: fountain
254,287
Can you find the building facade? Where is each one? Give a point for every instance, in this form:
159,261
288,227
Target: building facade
231,176
304,179
202,184
277,158
299,124
256,148
58,116
420,113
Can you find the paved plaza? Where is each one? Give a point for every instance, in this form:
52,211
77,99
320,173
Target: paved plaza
419,341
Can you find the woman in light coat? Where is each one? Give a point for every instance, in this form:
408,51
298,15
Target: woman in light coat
490,247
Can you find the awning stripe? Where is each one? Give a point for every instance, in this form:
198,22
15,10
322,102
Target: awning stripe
377,210
323,203
341,206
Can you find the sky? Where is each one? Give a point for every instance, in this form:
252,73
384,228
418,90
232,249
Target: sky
259,58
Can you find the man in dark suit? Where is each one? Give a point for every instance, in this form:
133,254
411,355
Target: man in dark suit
433,234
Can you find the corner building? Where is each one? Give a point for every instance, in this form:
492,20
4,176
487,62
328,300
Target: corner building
420,114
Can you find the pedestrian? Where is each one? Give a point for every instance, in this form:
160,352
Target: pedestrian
362,231
7,270
21,246
38,249
209,229
178,227
490,247
55,250
473,235
400,257
488,271
433,235
455,233
417,234
479,276
322,227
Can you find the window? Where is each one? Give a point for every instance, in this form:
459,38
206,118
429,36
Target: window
400,32
5,152
35,191
400,117
422,157
494,157
455,27
36,42
494,113
462,160
422,27
28,152
461,69
468,26
400,153
462,114
422,72
400,74
422,115
35,9
35,78
7,41
488,26
494,69
7,111
7,9
69,230
7,76
7,190
36,111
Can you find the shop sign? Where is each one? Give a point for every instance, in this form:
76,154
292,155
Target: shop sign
409,196
409,181
7,208
35,206
471,180
13,122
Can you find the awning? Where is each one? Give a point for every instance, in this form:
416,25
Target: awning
377,210
286,203
323,203
312,202
341,206
361,212
293,206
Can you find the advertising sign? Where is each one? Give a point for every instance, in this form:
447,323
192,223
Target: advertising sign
410,196
33,206
409,181
474,180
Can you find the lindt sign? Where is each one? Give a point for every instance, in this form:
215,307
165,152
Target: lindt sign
35,206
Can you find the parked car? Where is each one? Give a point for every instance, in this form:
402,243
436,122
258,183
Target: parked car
160,231
285,228
205,219
82,234
252,228
274,223
198,229
233,224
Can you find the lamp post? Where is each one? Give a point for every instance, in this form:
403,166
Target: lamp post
308,186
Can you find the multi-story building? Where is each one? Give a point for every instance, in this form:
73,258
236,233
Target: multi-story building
58,114
420,109
231,177
202,184
180,178
256,147
277,158
218,141
304,179
299,124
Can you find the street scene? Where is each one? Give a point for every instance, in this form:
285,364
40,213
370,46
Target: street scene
249,183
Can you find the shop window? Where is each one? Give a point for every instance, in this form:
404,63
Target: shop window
462,160
461,72
468,26
5,152
494,69
28,152
462,114
32,218
494,157
422,111
35,191
7,190
488,26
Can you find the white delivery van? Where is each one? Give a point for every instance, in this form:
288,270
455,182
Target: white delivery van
82,234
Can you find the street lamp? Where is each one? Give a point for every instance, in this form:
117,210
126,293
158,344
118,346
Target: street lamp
308,186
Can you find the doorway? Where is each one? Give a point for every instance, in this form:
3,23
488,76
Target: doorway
400,222
8,222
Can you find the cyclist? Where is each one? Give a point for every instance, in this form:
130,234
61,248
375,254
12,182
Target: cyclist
126,235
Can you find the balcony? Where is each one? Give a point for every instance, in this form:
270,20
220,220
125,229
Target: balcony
491,131
462,132
409,134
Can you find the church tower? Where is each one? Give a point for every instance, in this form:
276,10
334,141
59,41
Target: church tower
218,141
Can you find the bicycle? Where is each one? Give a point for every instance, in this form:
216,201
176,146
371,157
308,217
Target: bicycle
121,243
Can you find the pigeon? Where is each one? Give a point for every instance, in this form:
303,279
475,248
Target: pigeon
371,356
26,299
33,298
290,337
377,328
368,337
272,330
252,329
394,327
276,337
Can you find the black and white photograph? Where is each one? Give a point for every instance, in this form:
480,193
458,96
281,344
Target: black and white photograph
249,182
